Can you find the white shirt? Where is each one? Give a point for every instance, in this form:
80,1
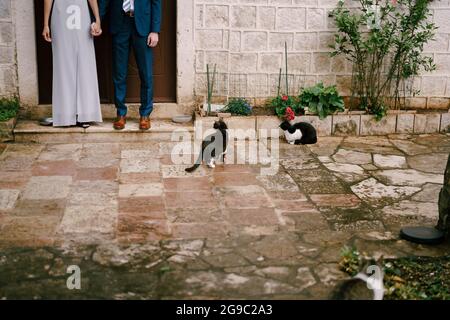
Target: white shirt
131,4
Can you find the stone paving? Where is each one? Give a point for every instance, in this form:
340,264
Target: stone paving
139,227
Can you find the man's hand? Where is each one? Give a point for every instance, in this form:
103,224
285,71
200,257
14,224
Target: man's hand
96,29
46,34
153,39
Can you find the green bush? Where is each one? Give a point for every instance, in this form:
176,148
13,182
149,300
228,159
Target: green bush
8,108
322,100
281,103
238,106
385,42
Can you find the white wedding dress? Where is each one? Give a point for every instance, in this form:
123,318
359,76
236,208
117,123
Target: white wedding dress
75,83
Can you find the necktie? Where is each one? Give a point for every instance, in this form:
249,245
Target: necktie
126,5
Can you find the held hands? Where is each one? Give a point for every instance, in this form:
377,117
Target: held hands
96,29
46,34
153,39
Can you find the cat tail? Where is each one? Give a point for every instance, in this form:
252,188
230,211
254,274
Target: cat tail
196,164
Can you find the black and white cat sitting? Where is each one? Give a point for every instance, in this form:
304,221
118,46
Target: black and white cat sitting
213,147
299,133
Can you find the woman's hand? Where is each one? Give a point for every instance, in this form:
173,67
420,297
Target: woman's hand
46,34
96,29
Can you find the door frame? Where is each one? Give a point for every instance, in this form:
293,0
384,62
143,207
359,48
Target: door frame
23,18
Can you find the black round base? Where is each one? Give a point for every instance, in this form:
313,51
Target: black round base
422,235
46,122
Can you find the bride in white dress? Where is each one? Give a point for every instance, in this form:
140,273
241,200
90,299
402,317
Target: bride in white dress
75,98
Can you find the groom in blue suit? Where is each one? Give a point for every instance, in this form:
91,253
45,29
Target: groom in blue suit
135,23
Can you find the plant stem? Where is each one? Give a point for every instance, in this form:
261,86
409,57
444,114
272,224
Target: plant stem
286,58
279,83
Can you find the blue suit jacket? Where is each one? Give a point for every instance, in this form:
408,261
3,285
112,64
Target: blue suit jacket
147,15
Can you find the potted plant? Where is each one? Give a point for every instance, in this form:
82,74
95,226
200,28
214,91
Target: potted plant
238,107
321,100
9,110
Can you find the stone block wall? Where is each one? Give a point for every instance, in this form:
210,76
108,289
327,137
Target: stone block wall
245,39
8,70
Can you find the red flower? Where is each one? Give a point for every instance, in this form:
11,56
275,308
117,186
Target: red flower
290,114
285,98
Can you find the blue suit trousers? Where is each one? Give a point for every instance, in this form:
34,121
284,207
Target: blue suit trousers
122,42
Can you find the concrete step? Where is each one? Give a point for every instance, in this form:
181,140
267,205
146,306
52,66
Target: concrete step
162,130
160,111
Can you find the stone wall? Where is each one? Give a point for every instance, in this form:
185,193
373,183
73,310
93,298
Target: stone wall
247,37
8,72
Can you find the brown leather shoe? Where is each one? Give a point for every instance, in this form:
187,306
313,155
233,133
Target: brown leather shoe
119,123
144,123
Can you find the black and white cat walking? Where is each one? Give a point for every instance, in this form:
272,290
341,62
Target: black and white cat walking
213,147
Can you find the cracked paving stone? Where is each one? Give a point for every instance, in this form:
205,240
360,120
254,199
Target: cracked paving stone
345,168
431,163
8,198
389,161
372,191
409,147
352,157
326,146
378,145
347,172
407,177
411,208
430,193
